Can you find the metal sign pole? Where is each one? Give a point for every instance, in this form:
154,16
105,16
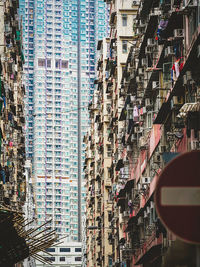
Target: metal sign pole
197,256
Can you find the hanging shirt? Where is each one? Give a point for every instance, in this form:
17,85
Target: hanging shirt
177,71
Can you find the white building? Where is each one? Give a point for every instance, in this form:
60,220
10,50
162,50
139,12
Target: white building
59,39
65,254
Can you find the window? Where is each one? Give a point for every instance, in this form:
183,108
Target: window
77,258
48,63
41,62
64,249
149,119
62,258
50,249
124,20
167,72
124,47
50,258
123,69
64,64
57,63
77,249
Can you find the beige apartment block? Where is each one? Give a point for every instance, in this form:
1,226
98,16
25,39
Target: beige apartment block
103,152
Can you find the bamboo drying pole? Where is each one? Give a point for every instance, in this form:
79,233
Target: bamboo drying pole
34,249
42,244
34,230
41,259
31,237
45,244
43,250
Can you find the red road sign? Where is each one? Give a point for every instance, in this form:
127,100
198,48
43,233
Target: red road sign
177,196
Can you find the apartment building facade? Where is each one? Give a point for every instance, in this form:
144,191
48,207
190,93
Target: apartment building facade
113,52
12,140
154,114
12,119
59,39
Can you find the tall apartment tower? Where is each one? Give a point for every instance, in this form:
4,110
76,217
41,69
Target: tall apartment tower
59,39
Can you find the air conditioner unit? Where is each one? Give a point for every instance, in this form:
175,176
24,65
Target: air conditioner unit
142,129
144,61
126,213
190,3
138,79
169,51
140,71
195,145
148,49
178,100
136,63
178,33
138,31
138,186
155,85
145,214
152,205
133,137
145,83
147,102
157,158
148,210
121,130
141,24
184,79
188,75
128,246
146,180
119,136
146,76
193,3
151,42
140,220
132,73
156,12
129,149
122,90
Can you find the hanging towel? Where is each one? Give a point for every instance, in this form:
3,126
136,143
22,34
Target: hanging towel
176,65
135,113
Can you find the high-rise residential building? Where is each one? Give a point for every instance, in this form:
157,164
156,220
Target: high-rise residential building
59,40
